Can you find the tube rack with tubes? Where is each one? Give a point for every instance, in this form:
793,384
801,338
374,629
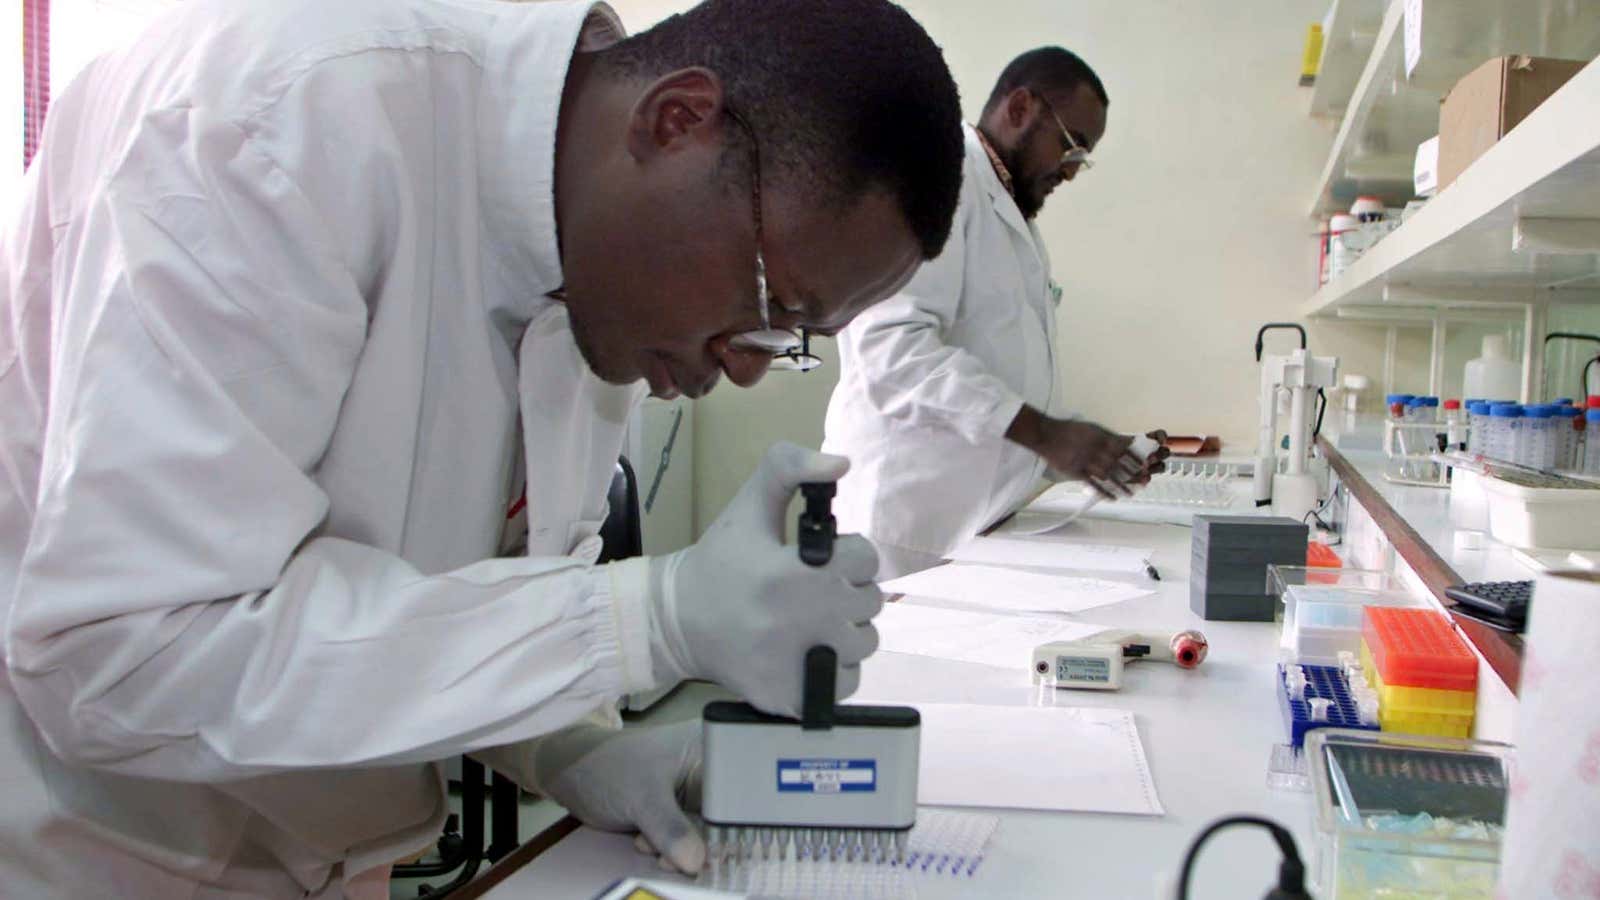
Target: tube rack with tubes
1411,449
1193,483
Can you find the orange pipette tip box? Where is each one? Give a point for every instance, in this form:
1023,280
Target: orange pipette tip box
1418,648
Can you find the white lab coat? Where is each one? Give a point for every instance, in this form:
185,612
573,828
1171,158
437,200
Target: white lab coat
270,302
931,378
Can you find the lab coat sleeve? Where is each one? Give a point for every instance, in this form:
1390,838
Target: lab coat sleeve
908,369
178,615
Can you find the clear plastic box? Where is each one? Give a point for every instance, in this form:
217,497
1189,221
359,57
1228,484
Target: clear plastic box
1322,608
1402,816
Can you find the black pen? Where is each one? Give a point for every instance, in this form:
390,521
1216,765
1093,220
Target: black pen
1151,571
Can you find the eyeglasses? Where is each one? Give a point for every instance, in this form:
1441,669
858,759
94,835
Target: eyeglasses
1076,154
791,352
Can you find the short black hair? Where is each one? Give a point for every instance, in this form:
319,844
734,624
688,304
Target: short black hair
1045,69
845,95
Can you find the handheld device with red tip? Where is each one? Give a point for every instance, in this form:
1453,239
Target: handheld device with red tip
1095,662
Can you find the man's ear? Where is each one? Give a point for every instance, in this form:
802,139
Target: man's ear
1019,107
679,110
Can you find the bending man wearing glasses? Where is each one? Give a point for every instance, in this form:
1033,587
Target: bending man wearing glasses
947,403
304,303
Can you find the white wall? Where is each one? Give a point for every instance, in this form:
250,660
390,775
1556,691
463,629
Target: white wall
1189,233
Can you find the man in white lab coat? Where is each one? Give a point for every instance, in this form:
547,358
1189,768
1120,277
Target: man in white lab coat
947,401
300,300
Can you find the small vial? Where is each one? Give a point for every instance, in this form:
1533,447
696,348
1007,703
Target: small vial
1319,708
1295,683
1367,709
1455,419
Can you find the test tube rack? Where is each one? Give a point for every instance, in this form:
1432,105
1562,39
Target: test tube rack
1327,688
1425,675
1412,449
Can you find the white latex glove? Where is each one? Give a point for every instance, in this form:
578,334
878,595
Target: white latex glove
636,779
741,609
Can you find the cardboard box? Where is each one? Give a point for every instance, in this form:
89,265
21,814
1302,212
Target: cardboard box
1490,101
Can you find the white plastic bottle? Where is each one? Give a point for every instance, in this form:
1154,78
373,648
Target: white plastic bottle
1493,374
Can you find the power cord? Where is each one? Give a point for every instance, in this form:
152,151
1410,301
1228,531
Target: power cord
1291,872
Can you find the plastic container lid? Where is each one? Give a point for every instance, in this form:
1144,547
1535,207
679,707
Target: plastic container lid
1471,400
1593,415
1418,648
1538,412
1429,401
1452,404
1506,411
1392,399
1563,401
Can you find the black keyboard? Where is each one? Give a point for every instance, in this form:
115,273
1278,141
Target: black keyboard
1502,604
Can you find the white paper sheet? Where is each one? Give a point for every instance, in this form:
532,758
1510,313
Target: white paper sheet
1013,590
989,639
1051,554
1081,759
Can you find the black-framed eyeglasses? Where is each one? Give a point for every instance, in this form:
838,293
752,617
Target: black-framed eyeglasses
1076,154
791,352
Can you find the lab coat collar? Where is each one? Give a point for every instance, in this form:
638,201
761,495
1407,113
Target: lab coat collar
526,62
1004,204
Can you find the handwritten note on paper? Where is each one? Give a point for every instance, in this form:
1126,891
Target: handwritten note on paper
1096,762
1003,641
1050,554
1013,590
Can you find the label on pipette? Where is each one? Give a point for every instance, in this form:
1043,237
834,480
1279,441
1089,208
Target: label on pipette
828,776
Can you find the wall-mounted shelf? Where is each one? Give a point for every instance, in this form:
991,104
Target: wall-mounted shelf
1348,34
1521,225
1389,112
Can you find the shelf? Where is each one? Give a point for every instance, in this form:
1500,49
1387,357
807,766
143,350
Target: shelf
1520,225
1389,112
1348,33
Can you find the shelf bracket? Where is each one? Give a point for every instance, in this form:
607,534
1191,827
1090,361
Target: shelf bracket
1530,234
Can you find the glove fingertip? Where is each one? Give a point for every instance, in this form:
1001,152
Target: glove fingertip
687,854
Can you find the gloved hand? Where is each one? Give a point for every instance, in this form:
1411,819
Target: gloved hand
741,609
640,779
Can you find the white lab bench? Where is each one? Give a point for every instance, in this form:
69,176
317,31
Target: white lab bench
1207,733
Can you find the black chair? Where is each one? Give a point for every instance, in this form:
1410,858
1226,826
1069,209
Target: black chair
463,849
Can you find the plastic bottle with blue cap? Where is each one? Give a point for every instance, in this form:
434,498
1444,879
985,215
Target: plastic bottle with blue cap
1591,434
1505,430
1538,428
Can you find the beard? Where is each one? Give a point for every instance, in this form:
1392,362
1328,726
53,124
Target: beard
1026,188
